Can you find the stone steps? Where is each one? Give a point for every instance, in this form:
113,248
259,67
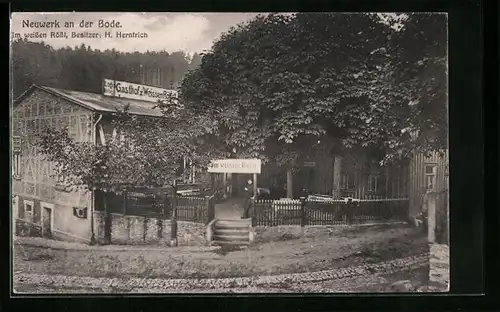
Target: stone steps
230,232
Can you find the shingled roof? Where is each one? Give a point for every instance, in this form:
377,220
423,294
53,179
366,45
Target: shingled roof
97,102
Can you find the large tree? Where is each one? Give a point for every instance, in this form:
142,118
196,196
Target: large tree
282,83
405,96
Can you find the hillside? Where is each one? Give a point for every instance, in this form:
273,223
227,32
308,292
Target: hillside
82,68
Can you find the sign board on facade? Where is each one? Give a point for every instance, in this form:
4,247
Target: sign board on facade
235,166
309,164
133,91
16,144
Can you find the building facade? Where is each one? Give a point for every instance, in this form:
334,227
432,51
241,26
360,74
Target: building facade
429,175
41,205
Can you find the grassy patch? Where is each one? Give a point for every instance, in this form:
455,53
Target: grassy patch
289,255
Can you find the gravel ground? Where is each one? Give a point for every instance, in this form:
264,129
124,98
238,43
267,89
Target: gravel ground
337,248
370,278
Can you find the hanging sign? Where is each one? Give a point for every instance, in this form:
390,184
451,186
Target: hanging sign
235,166
133,91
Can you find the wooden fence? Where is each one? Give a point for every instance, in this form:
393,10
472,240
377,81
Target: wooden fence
195,209
328,212
158,205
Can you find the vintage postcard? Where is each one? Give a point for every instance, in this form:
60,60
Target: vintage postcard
229,152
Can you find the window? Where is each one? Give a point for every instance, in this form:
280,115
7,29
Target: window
28,207
430,176
348,182
16,166
118,135
189,170
373,182
16,161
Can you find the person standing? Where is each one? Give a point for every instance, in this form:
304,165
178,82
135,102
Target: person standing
248,199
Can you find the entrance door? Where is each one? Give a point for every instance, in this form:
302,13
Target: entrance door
47,219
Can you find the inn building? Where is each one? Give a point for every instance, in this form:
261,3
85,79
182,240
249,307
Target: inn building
41,206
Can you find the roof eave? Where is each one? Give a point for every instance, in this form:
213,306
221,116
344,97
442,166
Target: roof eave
72,100
18,100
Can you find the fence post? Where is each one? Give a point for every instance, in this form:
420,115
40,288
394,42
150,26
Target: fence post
303,218
350,206
159,220
210,209
164,206
125,201
173,226
252,211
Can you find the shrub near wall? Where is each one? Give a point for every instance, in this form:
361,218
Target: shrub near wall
24,228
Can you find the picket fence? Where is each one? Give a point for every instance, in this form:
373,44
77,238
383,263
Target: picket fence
328,211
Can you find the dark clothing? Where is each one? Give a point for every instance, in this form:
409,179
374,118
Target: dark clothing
248,205
248,201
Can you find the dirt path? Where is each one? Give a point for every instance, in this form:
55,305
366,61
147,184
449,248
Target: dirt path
231,208
326,249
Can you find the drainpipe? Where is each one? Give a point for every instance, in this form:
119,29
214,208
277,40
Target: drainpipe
92,230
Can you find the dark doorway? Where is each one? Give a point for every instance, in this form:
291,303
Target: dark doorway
47,222
238,183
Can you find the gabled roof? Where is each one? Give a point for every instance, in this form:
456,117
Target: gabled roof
97,102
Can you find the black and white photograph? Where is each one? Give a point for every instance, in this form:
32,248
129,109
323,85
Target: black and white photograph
186,153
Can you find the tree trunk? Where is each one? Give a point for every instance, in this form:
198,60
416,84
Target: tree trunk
107,219
224,185
337,176
255,185
92,229
386,182
289,183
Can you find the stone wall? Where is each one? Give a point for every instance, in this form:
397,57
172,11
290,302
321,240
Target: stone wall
190,233
135,230
273,233
285,232
99,226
